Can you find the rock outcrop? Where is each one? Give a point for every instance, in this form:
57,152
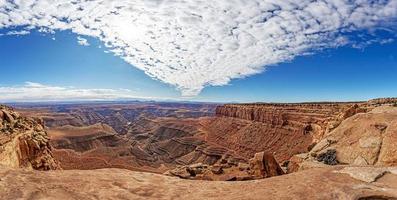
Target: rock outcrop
24,142
361,140
382,101
262,165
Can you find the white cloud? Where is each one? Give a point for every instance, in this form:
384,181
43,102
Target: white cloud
31,91
23,32
196,43
82,41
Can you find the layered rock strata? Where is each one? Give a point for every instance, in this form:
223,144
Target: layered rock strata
283,129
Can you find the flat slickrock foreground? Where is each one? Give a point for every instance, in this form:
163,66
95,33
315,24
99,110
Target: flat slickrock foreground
335,183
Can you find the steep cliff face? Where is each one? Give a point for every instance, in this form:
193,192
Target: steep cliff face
284,129
302,117
24,143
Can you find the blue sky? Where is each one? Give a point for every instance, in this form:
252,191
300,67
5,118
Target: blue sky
63,62
341,74
220,51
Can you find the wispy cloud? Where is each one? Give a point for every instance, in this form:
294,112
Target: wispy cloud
82,41
193,44
31,91
23,32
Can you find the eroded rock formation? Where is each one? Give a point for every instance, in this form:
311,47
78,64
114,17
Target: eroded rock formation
361,140
262,165
24,142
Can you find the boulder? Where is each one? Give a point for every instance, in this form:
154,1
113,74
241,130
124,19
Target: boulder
8,117
295,162
264,165
180,172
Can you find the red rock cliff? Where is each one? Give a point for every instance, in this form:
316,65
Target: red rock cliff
300,116
285,129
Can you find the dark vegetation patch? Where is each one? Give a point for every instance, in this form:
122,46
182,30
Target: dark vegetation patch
328,157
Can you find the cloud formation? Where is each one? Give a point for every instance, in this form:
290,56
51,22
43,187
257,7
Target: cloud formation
82,41
197,43
31,91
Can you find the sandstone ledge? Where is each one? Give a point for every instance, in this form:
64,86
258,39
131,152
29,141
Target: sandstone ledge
125,184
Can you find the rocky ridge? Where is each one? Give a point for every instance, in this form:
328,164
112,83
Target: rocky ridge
24,143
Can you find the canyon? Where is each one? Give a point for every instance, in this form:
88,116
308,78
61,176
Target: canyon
152,147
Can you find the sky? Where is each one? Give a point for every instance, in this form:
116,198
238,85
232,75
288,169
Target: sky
218,51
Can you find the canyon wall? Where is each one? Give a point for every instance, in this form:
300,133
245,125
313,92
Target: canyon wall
282,129
301,117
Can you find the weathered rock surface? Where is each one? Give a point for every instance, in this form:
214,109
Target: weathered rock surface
24,142
368,174
363,139
262,165
124,184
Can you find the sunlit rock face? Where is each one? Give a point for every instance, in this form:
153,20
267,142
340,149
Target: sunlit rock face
24,143
365,139
317,184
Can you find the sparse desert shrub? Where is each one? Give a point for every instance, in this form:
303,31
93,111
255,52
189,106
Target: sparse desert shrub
328,157
395,104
